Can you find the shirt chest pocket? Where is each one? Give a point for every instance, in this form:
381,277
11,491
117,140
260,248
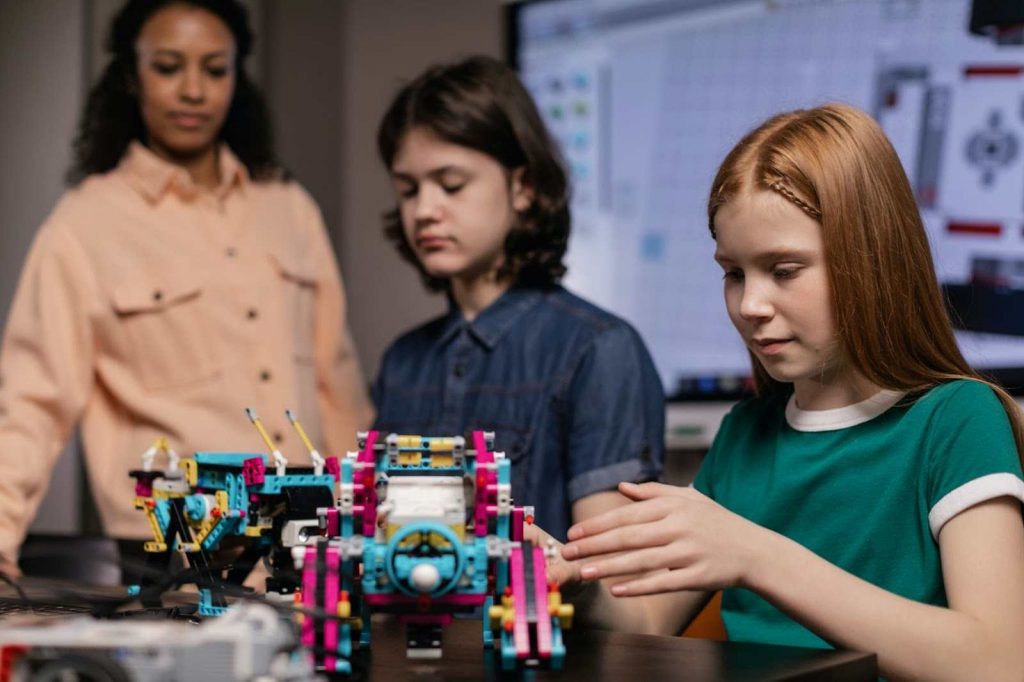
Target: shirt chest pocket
298,286
169,327
516,442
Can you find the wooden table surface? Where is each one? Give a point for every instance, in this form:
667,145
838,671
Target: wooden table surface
595,655
592,655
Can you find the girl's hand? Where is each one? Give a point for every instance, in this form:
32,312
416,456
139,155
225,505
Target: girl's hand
702,545
565,573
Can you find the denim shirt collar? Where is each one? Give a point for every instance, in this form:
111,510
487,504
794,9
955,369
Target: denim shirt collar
494,321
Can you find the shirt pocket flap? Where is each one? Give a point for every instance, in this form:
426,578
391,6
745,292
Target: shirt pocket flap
297,270
155,291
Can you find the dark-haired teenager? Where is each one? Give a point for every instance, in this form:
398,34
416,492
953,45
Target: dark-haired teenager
569,390
181,279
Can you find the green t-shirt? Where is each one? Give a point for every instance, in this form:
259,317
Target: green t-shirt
867,487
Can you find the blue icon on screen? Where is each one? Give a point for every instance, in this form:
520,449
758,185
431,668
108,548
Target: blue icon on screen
652,246
707,384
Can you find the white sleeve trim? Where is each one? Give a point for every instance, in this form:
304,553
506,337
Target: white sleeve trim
971,493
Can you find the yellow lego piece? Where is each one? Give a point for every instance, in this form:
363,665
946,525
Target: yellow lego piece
442,445
301,431
410,441
442,460
297,603
155,547
415,539
410,458
167,495
344,609
508,617
565,614
191,471
495,613
154,525
221,497
355,623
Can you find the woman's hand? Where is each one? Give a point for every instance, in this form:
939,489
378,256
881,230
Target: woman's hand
681,538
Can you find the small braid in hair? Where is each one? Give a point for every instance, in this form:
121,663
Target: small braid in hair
779,187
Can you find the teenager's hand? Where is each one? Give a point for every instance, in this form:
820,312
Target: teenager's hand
702,545
10,569
565,573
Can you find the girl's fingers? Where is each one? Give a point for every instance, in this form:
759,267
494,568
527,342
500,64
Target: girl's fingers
647,491
536,535
664,581
622,516
563,572
629,563
622,538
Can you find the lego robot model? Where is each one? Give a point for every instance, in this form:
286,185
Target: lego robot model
425,528
265,506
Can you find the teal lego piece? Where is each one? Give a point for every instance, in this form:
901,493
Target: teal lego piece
234,520
375,578
486,622
206,606
272,485
398,558
195,506
347,475
234,459
162,512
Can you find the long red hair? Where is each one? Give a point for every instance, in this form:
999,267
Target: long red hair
835,163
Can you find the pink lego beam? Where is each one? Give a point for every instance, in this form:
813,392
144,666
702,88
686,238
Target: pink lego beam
253,471
331,606
520,627
368,458
308,597
485,479
333,467
540,591
517,524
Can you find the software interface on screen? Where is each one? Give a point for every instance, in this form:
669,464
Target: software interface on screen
646,98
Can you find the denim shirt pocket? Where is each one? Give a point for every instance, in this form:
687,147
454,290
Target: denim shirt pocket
515,442
167,322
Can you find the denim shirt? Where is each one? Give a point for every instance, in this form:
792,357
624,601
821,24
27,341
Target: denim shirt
569,390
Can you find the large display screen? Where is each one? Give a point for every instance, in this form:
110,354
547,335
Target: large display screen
647,96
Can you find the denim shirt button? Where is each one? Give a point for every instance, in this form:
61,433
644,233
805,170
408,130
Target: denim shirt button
459,371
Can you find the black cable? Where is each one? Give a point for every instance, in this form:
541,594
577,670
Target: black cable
14,584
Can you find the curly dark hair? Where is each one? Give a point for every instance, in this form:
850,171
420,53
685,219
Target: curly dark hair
480,103
111,119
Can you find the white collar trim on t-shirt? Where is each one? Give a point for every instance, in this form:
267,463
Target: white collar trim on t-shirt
840,417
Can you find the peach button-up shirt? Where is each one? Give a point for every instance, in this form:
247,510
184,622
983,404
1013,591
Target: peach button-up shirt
150,307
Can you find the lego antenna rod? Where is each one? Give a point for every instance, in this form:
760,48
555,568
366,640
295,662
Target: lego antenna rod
279,460
318,459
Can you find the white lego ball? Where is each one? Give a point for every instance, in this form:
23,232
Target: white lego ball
425,577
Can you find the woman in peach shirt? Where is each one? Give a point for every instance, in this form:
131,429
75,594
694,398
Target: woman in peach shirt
182,279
